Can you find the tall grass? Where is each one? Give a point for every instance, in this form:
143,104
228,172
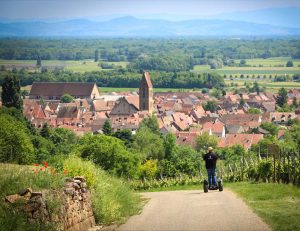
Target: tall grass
113,201
13,179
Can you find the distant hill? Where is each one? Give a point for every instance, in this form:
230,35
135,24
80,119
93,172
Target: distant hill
287,17
134,27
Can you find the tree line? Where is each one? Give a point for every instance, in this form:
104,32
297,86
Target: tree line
120,78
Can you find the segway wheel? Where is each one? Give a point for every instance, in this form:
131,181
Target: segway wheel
205,186
220,187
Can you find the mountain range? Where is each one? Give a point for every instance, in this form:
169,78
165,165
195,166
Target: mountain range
266,22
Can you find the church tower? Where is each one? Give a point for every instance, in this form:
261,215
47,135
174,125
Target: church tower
146,93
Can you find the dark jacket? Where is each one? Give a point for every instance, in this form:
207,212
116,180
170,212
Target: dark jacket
210,160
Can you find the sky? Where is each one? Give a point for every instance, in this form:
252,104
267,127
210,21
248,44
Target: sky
105,9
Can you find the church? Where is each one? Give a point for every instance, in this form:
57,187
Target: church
130,105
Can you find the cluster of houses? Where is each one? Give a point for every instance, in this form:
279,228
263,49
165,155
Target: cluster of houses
180,113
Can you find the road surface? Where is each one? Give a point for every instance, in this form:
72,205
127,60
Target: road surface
194,210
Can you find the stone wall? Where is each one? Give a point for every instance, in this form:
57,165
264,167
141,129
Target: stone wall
74,211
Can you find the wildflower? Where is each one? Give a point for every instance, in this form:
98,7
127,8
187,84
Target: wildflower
41,169
45,164
36,164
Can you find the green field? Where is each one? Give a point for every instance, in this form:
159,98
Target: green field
76,66
271,66
120,89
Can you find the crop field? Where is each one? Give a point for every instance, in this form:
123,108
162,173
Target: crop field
76,66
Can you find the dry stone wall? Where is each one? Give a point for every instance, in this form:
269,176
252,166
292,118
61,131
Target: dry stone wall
74,209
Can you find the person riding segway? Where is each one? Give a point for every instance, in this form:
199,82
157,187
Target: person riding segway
210,164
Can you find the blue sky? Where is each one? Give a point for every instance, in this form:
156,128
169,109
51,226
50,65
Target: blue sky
102,9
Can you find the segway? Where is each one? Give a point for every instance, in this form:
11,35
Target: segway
218,187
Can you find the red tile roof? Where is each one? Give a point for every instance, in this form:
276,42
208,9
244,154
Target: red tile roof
246,140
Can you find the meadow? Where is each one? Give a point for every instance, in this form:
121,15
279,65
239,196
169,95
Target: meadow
270,66
70,65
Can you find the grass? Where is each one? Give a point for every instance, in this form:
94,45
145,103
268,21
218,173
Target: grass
13,179
271,66
277,204
112,199
124,89
71,65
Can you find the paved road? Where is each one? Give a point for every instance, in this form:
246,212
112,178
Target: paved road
194,210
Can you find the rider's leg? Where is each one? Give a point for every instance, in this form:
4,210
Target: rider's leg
213,176
210,178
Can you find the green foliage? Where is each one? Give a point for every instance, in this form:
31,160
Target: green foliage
270,127
205,140
112,199
45,131
16,146
107,129
66,98
151,123
149,144
282,97
109,153
125,135
265,170
254,111
149,169
10,94
63,139
217,93
289,63
210,106
169,144
13,179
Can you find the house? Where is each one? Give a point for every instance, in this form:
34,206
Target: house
282,117
55,90
127,105
214,128
246,140
187,138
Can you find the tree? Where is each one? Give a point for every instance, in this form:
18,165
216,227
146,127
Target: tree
170,145
210,106
107,129
11,96
45,131
282,97
96,55
270,127
256,88
109,153
151,123
15,144
149,144
254,111
242,62
125,135
66,98
289,63
205,140
38,62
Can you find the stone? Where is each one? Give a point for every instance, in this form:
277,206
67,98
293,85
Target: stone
69,191
34,194
13,198
25,191
77,182
81,178
68,179
76,185
83,185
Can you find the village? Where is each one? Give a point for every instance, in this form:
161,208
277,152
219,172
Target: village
180,113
